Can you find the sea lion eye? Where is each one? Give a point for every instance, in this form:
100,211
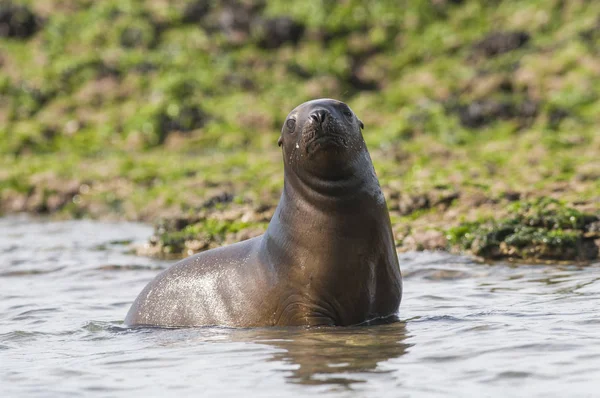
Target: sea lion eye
290,124
347,113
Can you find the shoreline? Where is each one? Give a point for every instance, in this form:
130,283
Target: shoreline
478,116
511,225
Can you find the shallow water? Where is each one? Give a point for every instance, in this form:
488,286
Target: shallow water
467,329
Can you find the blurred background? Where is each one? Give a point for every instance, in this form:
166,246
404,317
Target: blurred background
170,110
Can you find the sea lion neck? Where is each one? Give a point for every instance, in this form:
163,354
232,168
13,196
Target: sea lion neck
352,184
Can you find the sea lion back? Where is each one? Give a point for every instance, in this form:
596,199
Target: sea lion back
205,289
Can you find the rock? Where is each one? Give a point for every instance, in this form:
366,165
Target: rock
406,204
445,3
236,18
224,197
17,21
174,224
359,78
593,228
55,202
195,10
475,199
555,116
185,119
497,43
511,196
142,36
239,81
482,112
410,203
425,240
195,246
247,233
13,202
540,230
443,197
50,194
275,32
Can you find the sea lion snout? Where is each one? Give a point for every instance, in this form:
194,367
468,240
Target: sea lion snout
319,115
323,135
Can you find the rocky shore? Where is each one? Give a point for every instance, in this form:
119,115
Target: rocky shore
481,117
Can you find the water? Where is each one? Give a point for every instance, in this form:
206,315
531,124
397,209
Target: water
467,329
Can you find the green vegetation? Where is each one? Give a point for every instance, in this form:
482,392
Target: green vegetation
199,235
152,109
539,229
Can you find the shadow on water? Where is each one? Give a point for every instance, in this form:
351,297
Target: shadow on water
332,356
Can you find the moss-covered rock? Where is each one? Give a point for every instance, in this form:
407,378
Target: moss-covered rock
17,21
542,229
159,106
221,225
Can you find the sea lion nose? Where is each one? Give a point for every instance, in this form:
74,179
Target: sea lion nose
319,115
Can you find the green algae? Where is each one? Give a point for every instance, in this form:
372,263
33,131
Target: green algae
196,236
544,228
144,109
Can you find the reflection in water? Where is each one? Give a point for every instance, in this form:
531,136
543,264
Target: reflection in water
329,355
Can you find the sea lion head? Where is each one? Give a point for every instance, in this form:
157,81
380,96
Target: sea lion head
322,136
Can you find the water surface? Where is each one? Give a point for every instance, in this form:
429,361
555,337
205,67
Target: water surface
467,329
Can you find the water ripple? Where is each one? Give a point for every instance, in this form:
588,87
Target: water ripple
468,329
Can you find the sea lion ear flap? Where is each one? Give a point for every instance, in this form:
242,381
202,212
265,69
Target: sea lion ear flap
280,140
361,124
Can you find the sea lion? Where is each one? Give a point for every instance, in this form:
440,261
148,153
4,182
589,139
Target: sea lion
327,257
